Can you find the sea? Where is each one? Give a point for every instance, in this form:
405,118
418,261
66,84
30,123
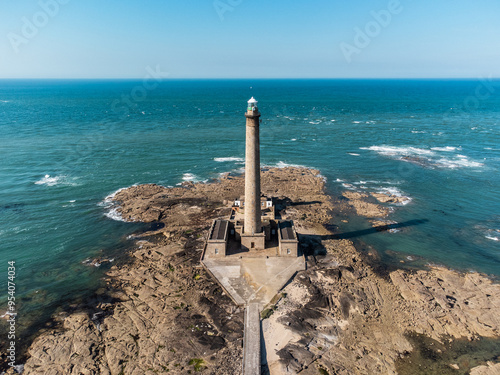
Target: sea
67,145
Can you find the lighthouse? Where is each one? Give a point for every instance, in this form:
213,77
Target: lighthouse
252,236
252,228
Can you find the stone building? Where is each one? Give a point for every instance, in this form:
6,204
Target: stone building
218,238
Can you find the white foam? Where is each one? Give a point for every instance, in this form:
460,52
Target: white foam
362,182
398,151
114,214
109,203
458,163
230,158
394,191
427,157
56,180
348,186
446,149
391,190
357,122
108,200
47,180
4,101
91,262
418,131
239,170
282,164
189,177
493,238
293,139
353,154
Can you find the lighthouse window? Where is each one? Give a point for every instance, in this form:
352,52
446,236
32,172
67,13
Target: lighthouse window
216,251
288,251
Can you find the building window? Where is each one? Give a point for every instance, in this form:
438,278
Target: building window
252,245
216,251
288,251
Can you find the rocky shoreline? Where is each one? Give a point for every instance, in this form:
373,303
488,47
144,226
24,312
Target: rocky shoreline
163,313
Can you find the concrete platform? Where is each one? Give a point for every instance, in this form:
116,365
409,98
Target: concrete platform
253,280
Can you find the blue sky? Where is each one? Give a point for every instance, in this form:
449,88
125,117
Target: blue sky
243,38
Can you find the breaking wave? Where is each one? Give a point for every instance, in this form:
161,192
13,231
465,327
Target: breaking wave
56,180
189,177
282,164
492,234
394,191
446,149
111,206
398,151
435,157
230,158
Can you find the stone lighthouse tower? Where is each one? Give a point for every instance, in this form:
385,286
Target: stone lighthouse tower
252,237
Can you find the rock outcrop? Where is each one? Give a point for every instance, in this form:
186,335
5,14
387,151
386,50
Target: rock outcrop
160,312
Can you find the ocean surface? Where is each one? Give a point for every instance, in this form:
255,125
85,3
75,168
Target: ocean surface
67,145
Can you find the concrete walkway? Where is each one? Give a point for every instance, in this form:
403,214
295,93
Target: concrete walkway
251,343
252,283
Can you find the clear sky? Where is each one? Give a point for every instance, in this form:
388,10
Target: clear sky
250,38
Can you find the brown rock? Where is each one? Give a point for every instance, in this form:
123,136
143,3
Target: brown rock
338,314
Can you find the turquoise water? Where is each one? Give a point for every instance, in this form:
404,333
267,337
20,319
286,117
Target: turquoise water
66,145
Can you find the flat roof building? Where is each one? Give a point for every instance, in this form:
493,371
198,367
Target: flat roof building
217,239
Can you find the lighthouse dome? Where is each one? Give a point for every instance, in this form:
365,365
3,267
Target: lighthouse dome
252,101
